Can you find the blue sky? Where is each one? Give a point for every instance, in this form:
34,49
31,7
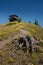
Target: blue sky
28,10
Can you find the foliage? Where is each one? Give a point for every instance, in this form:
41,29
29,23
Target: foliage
19,20
36,22
29,21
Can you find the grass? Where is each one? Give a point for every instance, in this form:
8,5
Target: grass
13,27
9,30
33,29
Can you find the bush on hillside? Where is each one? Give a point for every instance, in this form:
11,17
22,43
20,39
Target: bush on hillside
19,20
29,21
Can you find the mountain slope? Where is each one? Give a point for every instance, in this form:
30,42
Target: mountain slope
9,53
11,28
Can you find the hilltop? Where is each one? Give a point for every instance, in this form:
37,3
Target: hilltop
10,28
9,34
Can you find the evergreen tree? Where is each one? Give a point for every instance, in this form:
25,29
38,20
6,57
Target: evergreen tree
36,22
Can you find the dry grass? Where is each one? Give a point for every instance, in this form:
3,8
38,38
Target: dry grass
8,29
8,57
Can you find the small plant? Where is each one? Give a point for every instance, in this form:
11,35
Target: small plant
29,21
19,20
10,60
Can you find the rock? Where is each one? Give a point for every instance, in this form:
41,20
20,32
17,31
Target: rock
22,43
26,42
36,38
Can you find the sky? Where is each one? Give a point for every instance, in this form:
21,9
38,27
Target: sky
28,10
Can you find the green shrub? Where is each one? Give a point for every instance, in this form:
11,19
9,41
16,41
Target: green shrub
29,21
19,20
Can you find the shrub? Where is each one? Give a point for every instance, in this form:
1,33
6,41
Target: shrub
29,21
19,20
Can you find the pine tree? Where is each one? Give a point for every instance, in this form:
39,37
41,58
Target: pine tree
36,22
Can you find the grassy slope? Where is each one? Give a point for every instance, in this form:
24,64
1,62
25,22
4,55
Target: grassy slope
11,28
19,57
